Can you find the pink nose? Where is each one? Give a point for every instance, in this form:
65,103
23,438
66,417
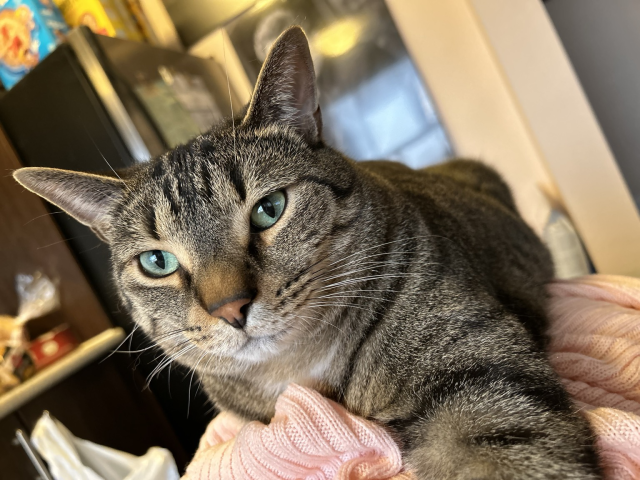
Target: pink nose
231,312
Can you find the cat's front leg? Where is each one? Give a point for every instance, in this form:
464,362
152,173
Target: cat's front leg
239,396
497,434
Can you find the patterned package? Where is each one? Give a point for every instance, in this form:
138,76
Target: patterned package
104,17
29,31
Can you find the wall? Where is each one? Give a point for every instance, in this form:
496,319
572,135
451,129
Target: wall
473,97
506,92
196,18
602,39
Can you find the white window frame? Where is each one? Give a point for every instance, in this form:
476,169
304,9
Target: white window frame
506,93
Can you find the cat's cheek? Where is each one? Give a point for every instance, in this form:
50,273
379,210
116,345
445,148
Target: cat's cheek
261,322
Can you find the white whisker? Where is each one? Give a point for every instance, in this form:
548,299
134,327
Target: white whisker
193,371
121,343
167,361
226,71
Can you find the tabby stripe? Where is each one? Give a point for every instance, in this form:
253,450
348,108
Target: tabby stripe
179,158
237,181
397,285
125,297
154,325
341,227
451,382
206,179
339,192
151,223
253,251
187,278
166,189
158,169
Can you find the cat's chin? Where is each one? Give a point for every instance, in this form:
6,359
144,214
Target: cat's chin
264,339
260,349
246,350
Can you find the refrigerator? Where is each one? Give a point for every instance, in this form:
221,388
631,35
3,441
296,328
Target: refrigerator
98,103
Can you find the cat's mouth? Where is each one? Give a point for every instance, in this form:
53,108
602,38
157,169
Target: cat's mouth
262,339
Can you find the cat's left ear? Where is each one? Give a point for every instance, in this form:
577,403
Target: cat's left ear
286,91
86,197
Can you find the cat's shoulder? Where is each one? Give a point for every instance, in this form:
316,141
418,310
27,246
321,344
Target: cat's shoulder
385,167
451,177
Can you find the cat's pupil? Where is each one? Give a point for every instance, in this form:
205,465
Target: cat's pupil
267,207
158,258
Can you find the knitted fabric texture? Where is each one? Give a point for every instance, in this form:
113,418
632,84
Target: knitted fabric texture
595,348
309,437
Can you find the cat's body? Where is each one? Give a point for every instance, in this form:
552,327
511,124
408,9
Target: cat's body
443,243
440,352
415,298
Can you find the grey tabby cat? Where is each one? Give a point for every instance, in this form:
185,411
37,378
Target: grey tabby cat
260,256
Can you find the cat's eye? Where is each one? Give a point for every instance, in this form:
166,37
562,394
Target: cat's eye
268,210
158,263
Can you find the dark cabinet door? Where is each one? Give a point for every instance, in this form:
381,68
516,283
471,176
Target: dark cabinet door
14,463
105,403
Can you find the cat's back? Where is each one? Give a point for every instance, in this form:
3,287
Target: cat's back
463,200
469,203
448,179
470,208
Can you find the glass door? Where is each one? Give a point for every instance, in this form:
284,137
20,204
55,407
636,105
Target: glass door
374,103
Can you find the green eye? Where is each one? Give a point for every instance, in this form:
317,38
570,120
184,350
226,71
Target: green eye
158,263
268,210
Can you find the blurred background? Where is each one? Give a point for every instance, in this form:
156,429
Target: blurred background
546,92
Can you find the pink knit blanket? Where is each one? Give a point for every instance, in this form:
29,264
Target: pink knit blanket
595,348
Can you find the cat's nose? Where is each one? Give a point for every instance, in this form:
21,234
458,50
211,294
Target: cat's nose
232,310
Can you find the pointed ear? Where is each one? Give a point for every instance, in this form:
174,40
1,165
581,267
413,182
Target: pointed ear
86,197
286,91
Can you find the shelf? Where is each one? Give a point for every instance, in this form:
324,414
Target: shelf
83,355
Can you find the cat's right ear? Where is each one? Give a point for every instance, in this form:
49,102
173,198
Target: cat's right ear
286,91
86,197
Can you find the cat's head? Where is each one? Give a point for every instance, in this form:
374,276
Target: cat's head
217,243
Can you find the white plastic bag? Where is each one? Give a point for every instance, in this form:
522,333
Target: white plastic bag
71,458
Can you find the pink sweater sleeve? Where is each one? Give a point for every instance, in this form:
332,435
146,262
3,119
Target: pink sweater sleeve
309,437
595,348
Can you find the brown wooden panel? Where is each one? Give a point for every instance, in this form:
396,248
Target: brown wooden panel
30,241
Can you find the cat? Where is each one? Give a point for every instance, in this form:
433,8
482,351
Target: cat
258,256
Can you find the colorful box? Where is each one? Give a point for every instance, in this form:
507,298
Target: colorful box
29,31
104,17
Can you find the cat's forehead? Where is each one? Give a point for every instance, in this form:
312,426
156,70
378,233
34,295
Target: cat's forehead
210,179
221,166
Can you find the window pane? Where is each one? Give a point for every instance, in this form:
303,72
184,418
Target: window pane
373,101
